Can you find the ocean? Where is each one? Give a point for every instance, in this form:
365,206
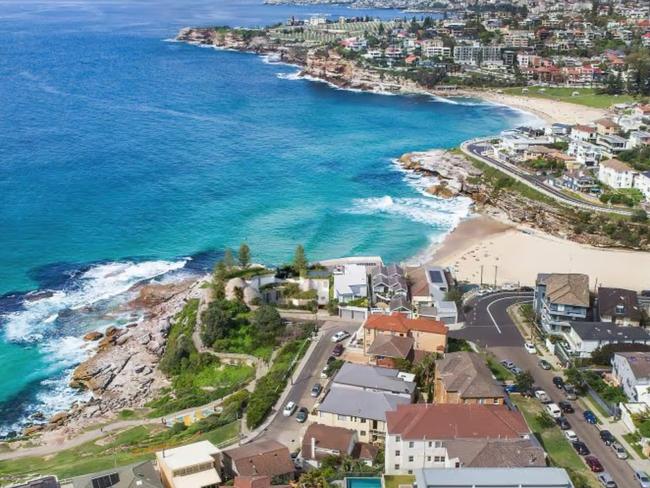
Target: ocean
125,157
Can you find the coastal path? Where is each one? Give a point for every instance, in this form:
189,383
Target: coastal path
479,149
481,327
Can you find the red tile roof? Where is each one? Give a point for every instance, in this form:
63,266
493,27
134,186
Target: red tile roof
399,323
455,421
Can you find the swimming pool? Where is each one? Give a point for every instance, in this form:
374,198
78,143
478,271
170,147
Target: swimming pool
363,482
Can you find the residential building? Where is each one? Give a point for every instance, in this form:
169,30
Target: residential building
435,48
612,144
607,127
429,284
140,475
427,435
642,182
559,298
493,478
585,153
583,338
638,138
320,441
632,371
583,133
428,335
359,398
266,458
616,174
463,377
387,349
43,482
618,306
580,182
192,465
350,282
388,282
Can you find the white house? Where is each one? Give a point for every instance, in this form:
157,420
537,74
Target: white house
585,153
632,370
616,174
583,338
638,138
642,182
350,282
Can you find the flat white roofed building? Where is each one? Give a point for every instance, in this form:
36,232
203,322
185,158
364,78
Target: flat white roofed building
492,478
350,282
192,466
616,174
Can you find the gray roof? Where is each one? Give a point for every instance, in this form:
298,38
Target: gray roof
373,377
639,362
605,331
361,403
492,477
467,374
142,475
618,302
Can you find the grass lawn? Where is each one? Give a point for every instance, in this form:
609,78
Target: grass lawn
499,370
633,440
587,96
393,481
127,447
560,452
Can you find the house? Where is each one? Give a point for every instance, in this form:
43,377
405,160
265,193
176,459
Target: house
428,335
386,349
632,371
618,306
463,377
607,127
425,435
350,282
583,338
141,475
616,174
43,482
267,458
493,478
322,440
642,111
196,464
580,182
583,133
559,298
360,396
585,153
642,183
638,138
612,144
429,284
388,282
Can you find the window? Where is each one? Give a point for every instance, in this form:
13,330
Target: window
342,417
430,444
411,444
363,433
398,438
439,459
363,421
398,452
429,458
410,471
438,444
410,459
397,466
496,401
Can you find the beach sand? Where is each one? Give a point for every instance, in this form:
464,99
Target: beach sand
517,254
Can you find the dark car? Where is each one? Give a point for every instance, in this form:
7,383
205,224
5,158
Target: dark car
563,423
590,417
338,350
544,364
302,415
331,359
566,407
581,448
594,464
316,389
607,437
558,382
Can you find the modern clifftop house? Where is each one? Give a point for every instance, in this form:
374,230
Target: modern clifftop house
350,282
193,465
493,478
454,435
560,298
619,306
428,335
463,377
388,282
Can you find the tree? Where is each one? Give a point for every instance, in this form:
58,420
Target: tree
239,294
639,216
219,281
524,381
228,259
544,420
300,261
425,371
244,255
268,324
216,322
314,478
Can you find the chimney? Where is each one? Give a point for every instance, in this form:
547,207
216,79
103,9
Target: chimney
313,447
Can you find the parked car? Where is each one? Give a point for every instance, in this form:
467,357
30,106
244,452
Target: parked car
558,382
544,364
590,417
542,396
606,480
570,391
566,407
289,408
607,437
594,464
581,448
553,410
324,373
507,364
619,450
331,359
338,350
517,371
642,479
316,389
530,348
302,415
563,423
339,336
513,388
571,436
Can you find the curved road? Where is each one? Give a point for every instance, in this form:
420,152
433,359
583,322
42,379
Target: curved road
477,148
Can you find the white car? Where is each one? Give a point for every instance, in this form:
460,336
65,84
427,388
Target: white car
530,348
542,396
620,451
553,410
323,373
289,408
339,336
642,479
571,436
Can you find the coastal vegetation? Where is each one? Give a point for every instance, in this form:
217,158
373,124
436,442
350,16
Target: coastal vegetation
589,97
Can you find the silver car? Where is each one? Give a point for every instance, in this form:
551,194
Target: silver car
606,480
642,479
620,451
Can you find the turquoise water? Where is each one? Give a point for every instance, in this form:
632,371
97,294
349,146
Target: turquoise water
125,157
363,482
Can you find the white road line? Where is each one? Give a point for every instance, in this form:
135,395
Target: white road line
490,313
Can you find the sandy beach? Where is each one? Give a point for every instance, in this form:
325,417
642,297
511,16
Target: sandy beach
517,254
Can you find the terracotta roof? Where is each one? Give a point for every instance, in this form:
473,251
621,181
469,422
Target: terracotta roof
327,439
363,450
584,128
391,346
252,482
607,123
268,458
399,323
467,374
455,421
566,289
616,164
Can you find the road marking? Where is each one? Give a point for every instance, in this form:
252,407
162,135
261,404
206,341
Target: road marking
490,313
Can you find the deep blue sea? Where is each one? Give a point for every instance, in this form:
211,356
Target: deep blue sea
126,157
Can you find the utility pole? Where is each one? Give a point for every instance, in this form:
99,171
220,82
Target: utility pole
481,275
495,275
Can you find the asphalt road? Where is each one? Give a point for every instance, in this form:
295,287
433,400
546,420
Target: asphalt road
490,325
286,429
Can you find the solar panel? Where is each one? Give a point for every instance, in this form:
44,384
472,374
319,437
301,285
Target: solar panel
435,275
105,481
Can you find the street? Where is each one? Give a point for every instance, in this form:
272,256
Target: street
490,326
